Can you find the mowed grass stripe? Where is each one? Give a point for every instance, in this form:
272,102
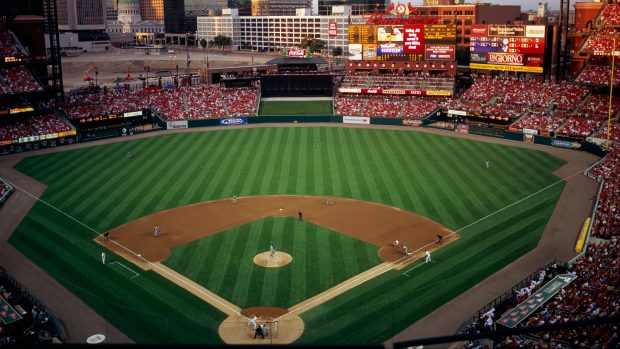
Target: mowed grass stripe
321,259
369,185
221,143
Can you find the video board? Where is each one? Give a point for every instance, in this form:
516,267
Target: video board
414,42
508,47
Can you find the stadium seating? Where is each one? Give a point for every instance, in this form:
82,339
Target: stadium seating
596,106
540,122
17,80
349,104
610,15
591,295
607,218
8,46
204,102
241,101
36,326
596,74
614,134
33,126
578,127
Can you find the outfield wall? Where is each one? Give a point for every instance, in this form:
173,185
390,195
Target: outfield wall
551,140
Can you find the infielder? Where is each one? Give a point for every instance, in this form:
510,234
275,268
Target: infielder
428,257
329,201
234,199
157,231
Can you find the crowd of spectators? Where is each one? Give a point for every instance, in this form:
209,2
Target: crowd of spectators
614,133
539,122
8,45
241,101
415,81
591,295
35,327
33,126
390,106
598,74
596,106
195,102
17,80
607,219
579,127
203,102
349,104
610,15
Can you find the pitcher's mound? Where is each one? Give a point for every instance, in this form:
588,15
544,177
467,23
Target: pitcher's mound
266,260
283,328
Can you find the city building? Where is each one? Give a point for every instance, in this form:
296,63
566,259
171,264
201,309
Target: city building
152,10
111,10
280,7
358,7
174,16
80,15
195,8
271,33
130,25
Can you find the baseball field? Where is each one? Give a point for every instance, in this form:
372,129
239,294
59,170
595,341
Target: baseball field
187,179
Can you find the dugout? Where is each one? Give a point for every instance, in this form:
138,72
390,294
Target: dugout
298,77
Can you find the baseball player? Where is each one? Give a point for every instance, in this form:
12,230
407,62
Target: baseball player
272,250
157,231
428,257
103,257
234,199
253,321
396,242
488,164
329,201
300,216
439,238
406,250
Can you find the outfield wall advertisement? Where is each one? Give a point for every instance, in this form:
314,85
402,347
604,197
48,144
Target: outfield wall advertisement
374,91
407,42
360,120
508,47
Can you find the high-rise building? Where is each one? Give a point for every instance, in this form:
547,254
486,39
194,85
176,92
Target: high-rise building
152,10
358,7
174,16
278,7
80,15
111,10
195,8
244,6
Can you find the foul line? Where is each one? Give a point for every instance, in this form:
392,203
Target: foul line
387,267
139,256
500,210
124,266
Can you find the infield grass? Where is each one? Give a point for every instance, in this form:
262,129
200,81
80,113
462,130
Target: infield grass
318,107
321,259
438,177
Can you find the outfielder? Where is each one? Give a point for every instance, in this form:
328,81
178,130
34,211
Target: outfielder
103,257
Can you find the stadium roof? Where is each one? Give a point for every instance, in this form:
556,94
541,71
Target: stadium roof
294,61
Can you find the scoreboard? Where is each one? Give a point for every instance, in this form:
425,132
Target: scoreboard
508,47
415,42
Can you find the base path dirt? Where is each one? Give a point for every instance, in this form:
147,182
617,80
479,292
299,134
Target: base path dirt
371,222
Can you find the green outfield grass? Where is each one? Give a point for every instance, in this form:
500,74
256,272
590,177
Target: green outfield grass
295,108
439,177
321,259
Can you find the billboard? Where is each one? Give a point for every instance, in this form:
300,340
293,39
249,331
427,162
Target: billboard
409,42
508,47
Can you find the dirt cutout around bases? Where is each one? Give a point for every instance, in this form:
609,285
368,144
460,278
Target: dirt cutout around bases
374,223
278,259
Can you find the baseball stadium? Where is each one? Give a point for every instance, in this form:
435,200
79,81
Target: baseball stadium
391,198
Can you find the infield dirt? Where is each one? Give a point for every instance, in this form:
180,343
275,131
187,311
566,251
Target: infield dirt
371,222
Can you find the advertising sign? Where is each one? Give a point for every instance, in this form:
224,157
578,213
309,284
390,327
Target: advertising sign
170,125
508,47
369,52
133,113
390,39
414,39
442,52
332,30
355,52
412,122
356,120
233,121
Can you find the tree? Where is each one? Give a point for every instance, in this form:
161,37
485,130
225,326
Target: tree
337,51
222,41
312,44
203,43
